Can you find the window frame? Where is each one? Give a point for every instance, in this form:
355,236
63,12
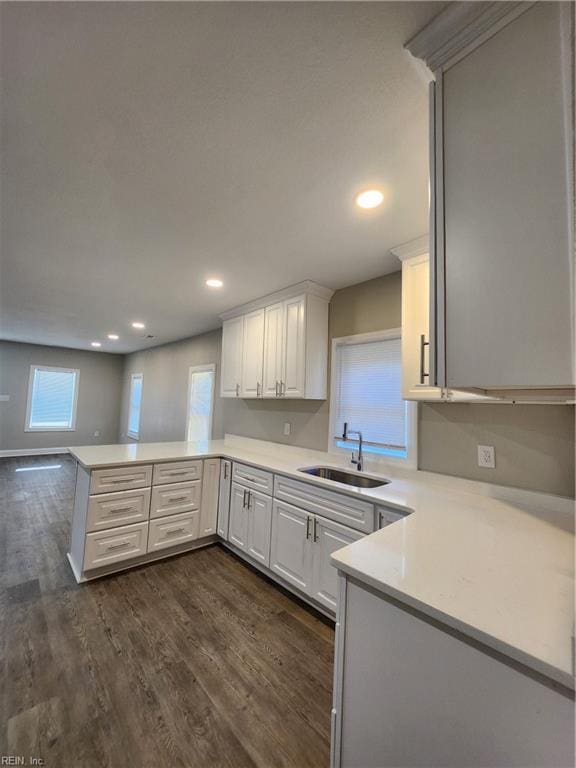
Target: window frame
129,433
204,368
373,460
33,368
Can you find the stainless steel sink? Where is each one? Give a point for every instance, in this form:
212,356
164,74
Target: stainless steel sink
340,476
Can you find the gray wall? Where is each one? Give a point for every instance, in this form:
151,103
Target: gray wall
99,395
165,387
534,444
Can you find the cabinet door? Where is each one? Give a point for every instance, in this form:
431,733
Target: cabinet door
231,369
253,354
273,350
259,526
294,378
506,210
224,498
328,537
291,545
415,322
209,505
238,524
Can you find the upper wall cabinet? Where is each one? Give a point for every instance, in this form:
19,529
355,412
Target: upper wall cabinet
278,346
502,198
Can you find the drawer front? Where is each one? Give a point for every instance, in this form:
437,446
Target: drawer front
170,531
335,506
109,510
250,477
386,516
174,498
177,472
113,546
120,478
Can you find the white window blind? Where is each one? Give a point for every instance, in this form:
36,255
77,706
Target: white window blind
200,403
369,392
52,396
135,406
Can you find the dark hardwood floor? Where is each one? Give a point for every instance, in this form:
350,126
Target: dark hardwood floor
193,661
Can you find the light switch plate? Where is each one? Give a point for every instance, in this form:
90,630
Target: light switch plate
287,427
486,456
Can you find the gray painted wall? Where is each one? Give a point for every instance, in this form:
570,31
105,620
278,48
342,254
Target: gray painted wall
99,393
165,387
534,444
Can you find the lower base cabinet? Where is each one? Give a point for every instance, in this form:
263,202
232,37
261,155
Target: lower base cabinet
300,550
250,522
165,532
224,498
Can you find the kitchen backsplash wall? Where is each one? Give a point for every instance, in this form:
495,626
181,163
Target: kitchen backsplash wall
534,444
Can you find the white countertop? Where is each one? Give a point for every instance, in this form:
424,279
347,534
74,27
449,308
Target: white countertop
500,570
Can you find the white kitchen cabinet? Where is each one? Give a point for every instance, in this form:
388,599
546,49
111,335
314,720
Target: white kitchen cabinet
209,504
274,348
284,345
415,260
291,548
253,354
224,498
238,523
294,372
328,537
502,198
259,508
231,363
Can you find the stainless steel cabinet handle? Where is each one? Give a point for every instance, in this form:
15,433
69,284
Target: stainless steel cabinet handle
249,499
277,389
258,389
177,498
170,531
282,389
120,509
237,389
307,527
225,470
177,472
119,546
423,344
244,499
315,529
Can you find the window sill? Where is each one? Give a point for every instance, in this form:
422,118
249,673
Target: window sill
49,429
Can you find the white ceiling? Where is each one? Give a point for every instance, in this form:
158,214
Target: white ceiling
148,146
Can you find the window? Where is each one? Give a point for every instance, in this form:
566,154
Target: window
135,405
200,402
52,399
367,395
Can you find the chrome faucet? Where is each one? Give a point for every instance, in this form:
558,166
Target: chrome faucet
359,462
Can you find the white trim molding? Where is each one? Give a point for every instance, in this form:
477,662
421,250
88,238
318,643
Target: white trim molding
308,287
32,452
418,247
460,28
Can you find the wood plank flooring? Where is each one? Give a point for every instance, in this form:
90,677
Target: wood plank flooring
194,661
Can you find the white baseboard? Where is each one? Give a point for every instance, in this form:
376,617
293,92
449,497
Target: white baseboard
31,452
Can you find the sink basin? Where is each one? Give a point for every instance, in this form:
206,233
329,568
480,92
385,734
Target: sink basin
340,476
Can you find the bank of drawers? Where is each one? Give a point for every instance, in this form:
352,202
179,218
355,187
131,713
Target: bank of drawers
135,510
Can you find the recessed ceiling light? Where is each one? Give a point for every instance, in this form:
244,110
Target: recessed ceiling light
113,336
370,198
214,282
96,344
138,325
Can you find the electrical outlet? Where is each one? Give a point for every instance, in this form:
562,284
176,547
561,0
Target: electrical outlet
287,427
486,456
97,433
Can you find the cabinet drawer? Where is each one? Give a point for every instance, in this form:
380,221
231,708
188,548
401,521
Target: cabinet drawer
169,531
112,546
335,506
175,498
253,478
109,510
120,478
386,516
177,472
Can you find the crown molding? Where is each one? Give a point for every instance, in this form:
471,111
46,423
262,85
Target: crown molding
307,287
418,247
460,28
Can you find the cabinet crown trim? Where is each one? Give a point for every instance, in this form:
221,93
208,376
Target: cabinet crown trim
418,247
459,27
307,287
